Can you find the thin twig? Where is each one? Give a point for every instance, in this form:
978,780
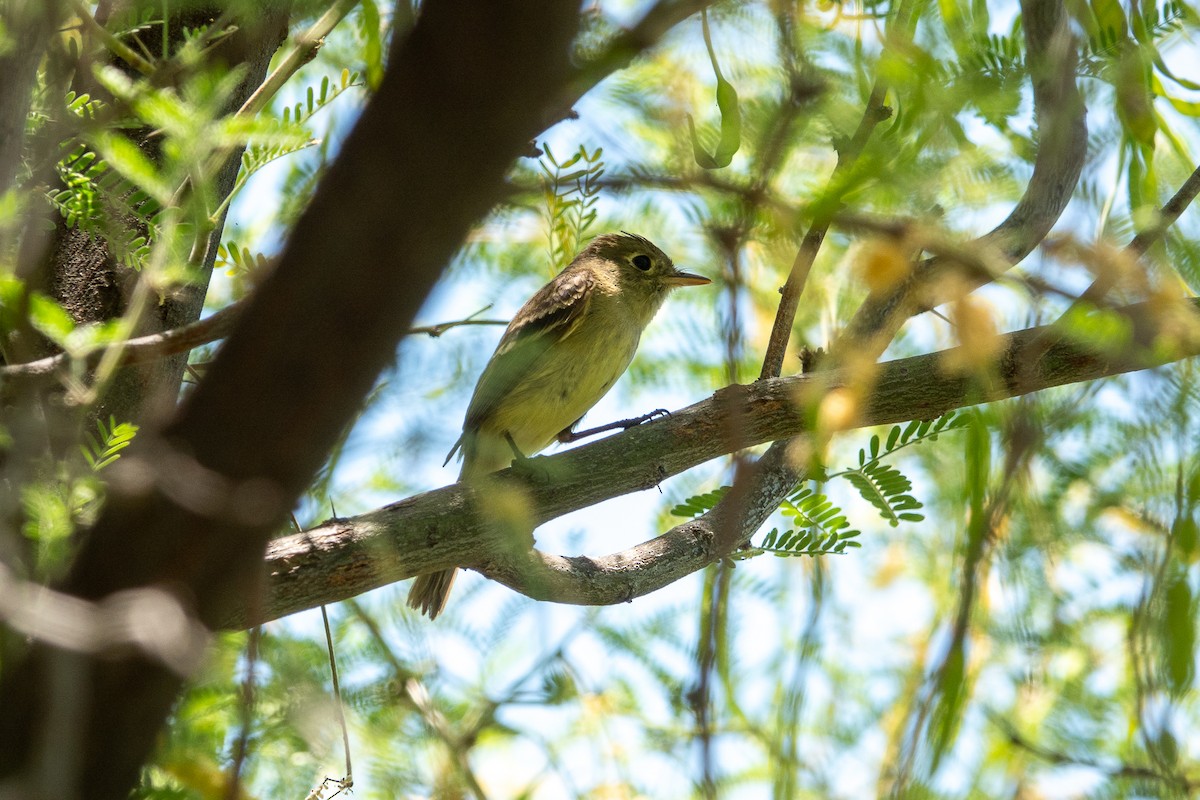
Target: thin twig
119,48
874,113
1094,294
179,340
716,600
307,45
417,697
241,747
1120,771
1144,240
347,780
982,533
142,348
441,327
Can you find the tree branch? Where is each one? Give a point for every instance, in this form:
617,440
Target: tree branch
140,349
1062,135
154,346
441,528
874,113
196,504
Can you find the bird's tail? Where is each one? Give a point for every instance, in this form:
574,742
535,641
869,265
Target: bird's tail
430,592
481,455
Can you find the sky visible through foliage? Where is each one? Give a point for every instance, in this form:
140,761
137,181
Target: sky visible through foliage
999,601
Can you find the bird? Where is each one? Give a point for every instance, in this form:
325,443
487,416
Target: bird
562,352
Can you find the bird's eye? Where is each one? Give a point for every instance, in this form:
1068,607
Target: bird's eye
642,262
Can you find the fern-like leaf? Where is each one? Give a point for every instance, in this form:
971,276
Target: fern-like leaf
699,504
571,190
887,489
238,260
104,449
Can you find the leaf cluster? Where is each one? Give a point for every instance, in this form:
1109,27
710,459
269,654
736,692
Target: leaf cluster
570,191
823,528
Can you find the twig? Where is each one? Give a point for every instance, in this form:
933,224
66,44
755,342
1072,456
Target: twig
348,780
874,113
1102,285
414,694
437,330
716,601
981,535
307,45
1120,771
241,747
119,48
440,328
1145,239
179,340
141,348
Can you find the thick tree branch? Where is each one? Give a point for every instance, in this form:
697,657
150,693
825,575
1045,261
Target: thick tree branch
193,509
439,529
1062,146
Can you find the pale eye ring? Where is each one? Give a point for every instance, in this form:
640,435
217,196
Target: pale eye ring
642,262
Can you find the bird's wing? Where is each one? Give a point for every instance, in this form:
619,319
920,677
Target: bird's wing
550,316
554,311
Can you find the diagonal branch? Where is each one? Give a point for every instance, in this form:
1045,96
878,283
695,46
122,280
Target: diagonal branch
439,529
1062,135
425,161
874,113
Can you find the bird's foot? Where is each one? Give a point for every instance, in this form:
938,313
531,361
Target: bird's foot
568,435
525,466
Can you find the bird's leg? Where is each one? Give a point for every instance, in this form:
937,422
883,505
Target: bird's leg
524,465
567,435
518,456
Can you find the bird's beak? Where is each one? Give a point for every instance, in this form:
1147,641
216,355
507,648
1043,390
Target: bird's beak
679,278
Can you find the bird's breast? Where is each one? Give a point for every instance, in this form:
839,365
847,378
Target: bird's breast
569,378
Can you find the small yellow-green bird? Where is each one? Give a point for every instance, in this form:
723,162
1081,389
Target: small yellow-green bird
561,353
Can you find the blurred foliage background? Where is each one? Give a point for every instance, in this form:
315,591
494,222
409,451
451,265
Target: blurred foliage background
1009,612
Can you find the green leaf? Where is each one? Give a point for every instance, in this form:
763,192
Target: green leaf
105,448
1179,635
731,117
1110,19
125,157
50,319
699,504
1186,537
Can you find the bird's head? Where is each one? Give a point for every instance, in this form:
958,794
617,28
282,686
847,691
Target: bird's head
641,269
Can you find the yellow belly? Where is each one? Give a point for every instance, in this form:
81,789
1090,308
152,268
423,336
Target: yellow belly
568,380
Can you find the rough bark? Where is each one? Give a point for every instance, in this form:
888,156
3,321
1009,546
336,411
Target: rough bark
31,23
83,274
